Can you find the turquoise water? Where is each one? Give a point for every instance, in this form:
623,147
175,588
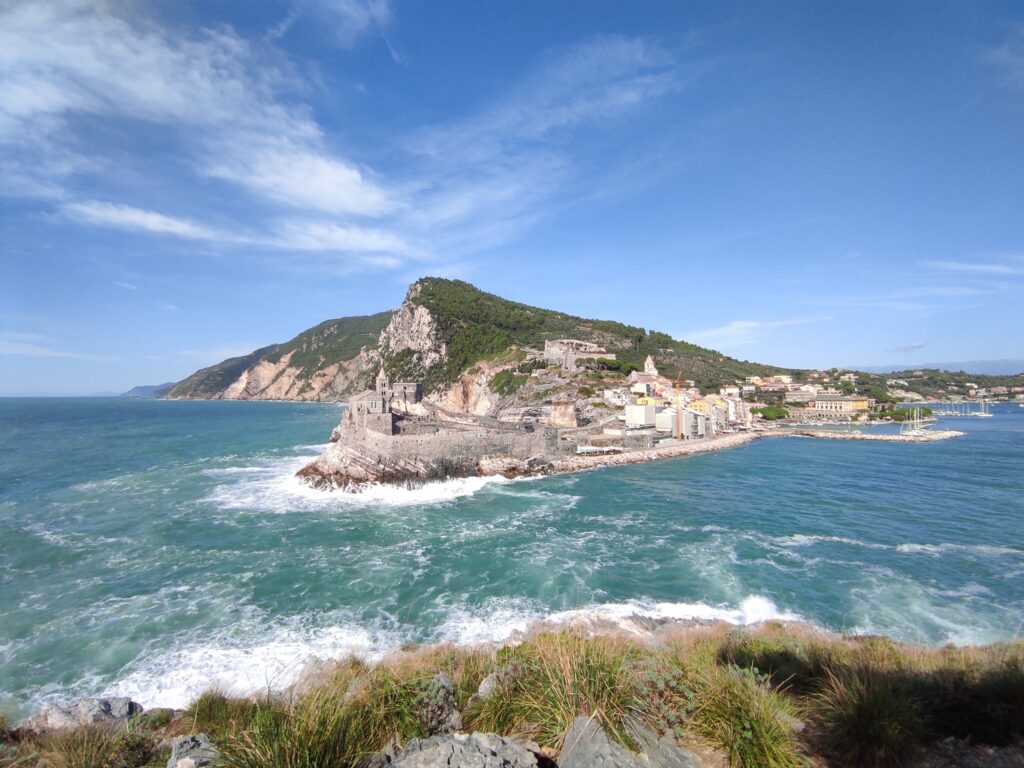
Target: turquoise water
154,548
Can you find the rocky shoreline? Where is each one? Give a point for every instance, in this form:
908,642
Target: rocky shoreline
353,460
456,696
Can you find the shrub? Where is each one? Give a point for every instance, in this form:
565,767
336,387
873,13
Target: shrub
153,720
132,750
790,662
506,382
974,696
868,718
739,712
560,677
214,713
89,747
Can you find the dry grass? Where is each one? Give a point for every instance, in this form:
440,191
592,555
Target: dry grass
747,694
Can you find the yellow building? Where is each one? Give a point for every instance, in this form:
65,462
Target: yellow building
700,406
860,404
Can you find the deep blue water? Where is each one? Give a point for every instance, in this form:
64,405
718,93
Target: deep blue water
155,548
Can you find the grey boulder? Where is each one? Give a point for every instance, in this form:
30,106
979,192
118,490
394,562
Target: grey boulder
112,711
478,750
193,752
586,745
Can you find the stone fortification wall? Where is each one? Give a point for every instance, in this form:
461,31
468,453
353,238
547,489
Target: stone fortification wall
364,456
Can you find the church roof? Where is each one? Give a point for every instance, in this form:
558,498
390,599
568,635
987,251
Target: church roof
366,394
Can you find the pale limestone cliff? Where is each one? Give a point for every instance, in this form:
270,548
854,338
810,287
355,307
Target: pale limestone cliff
471,393
282,381
412,328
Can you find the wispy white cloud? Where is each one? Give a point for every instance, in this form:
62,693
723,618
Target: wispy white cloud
485,177
741,332
15,348
136,220
24,336
1009,58
977,267
126,286
452,191
914,345
288,234
327,236
66,60
347,21
352,19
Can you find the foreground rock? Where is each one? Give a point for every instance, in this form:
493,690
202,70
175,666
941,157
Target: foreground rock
586,745
54,717
193,752
478,750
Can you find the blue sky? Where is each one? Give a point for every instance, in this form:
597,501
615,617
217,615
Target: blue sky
807,184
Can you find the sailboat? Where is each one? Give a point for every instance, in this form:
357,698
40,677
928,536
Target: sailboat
914,426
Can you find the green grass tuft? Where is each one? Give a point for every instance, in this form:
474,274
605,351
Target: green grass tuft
869,718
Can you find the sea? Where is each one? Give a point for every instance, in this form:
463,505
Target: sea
155,549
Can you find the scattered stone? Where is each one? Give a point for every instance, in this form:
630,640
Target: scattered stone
586,745
113,711
193,752
490,684
479,750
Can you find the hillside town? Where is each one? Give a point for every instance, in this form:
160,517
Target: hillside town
573,396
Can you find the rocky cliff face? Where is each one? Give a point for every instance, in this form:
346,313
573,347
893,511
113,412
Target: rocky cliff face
412,334
446,335
329,362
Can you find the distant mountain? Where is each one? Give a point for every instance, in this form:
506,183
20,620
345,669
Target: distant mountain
443,329
149,390
984,367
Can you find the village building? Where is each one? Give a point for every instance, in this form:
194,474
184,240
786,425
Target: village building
691,425
639,416
618,397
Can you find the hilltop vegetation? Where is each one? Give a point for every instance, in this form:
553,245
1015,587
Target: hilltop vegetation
472,326
475,325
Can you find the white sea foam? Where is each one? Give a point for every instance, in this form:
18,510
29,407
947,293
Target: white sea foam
175,678
804,540
941,549
274,487
496,621
241,662
751,610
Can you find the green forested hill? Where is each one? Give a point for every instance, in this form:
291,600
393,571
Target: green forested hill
325,344
476,325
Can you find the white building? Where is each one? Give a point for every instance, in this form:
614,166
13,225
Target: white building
692,424
616,397
639,416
